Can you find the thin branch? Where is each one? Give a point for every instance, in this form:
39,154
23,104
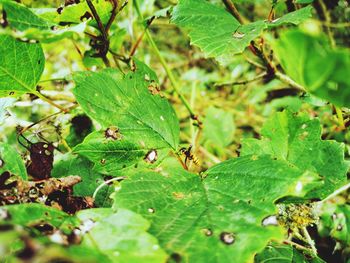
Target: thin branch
243,82
42,97
309,240
113,15
98,19
286,79
138,41
233,10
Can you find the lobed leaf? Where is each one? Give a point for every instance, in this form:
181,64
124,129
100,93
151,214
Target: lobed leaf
296,139
215,219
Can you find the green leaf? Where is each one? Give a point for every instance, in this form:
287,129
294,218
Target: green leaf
215,219
77,13
33,214
278,253
302,54
11,161
26,24
130,107
335,222
122,236
21,65
74,165
218,33
296,139
22,18
218,127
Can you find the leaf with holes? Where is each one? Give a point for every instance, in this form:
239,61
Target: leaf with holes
21,66
296,139
214,219
134,114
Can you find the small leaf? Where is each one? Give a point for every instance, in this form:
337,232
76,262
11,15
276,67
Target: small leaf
297,140
214,219
11,161
122,236
21,66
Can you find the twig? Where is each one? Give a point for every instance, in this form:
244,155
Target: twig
41,96
296,245
233,10
113,15
105,40
328,20
286,79
243,82
138,41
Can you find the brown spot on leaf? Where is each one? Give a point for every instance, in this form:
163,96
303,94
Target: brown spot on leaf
112,133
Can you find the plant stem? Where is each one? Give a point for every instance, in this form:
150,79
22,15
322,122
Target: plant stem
286,79
329,21
233,10
41,96
243,82
106,183
165,65
309,240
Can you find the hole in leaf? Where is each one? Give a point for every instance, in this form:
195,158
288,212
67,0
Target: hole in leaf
113,133
208,232
151,210
227,238
151,156
270,221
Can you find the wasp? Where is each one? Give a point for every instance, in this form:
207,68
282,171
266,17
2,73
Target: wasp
189,155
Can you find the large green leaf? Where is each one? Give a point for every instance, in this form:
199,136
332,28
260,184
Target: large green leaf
217,32
302,54
21,65
11,161
128,106
296,139
216,219
121,235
